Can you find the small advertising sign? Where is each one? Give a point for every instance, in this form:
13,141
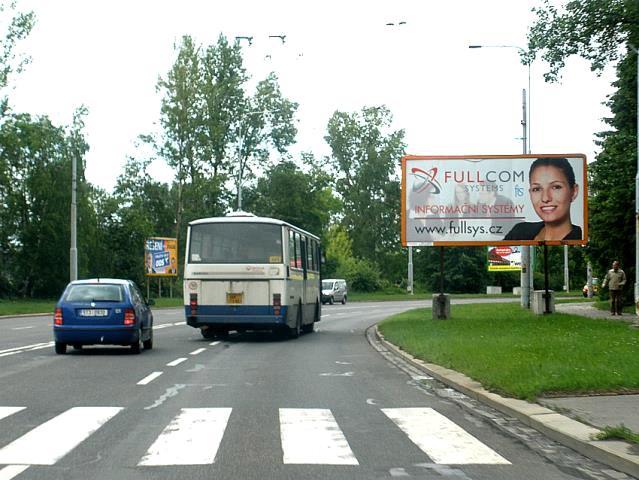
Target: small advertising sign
494,200
160,257
504,259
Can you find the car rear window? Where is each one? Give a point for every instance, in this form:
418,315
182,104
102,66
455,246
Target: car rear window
95,293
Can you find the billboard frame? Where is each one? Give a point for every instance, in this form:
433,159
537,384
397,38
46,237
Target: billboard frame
583,193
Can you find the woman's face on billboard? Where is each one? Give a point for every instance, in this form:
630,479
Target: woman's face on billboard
551,195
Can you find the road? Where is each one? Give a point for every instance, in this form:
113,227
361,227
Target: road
331,404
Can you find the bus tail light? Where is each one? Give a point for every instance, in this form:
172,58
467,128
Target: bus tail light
277,303
57,317
193,303
129,316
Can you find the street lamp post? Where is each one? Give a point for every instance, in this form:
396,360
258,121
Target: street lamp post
410,287
527,253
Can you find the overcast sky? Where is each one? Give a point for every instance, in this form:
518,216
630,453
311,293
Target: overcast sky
338,55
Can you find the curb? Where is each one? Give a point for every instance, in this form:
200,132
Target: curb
23,315
560,428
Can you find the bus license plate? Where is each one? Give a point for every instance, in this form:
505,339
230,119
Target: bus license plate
93,312
233,298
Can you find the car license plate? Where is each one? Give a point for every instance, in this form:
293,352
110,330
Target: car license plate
93,312
233,298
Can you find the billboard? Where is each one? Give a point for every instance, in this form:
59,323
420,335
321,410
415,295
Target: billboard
494,200
504,259
160,257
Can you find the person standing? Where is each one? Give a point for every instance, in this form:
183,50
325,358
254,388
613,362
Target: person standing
615,279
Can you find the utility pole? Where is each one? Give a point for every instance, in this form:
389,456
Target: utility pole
73,253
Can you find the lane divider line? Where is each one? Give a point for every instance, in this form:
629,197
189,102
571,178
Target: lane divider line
176,362
149,378
198,351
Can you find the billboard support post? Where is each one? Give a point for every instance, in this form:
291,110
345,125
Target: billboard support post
547,292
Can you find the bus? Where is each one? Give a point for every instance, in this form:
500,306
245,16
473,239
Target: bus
244,272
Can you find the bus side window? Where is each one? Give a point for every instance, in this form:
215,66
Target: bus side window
291,248
298,250
309,254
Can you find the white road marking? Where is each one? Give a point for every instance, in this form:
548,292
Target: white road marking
6,411
441,439
198,351
213,343
22,328
149,378
371,401
11,471
176,362
192,438
312,436
48,443
345,374
26,348
179,323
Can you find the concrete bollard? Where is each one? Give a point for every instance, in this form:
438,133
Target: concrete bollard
441,306
538,302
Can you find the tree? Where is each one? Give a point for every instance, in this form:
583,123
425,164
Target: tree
19,26
180,120
35,195
603,32
364,161
287,193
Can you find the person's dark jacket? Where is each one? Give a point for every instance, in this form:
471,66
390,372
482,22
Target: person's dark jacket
529,230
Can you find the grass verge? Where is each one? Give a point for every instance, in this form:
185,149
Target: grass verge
514,352
620,432
25,307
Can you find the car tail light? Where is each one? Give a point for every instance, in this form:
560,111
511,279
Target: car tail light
57,317
193,303
277,303
129,316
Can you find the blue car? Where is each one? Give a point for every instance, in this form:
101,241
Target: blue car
102,311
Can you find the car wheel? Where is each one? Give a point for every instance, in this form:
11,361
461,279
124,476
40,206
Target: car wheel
331,301
344,300
60,348
135,346
148,344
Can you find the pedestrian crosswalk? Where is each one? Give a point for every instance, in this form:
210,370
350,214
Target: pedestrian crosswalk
308,436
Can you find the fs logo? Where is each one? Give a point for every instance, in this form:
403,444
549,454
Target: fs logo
519,191
423,180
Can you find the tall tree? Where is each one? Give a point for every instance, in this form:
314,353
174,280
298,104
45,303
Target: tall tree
603,32
18,26
181,120
365,162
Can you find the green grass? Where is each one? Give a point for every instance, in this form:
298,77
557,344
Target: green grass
514,352
605,305
620,432
166,302
20,307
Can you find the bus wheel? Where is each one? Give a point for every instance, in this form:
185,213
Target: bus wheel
208,333
311,326
294,332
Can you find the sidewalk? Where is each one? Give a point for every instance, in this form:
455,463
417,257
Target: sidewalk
572,421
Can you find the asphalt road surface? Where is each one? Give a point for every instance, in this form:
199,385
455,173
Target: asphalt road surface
329,405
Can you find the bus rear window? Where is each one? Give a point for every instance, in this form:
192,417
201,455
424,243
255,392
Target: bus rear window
235,243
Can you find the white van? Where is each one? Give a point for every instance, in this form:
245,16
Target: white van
334,290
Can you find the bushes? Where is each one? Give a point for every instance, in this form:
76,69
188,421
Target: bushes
361,275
